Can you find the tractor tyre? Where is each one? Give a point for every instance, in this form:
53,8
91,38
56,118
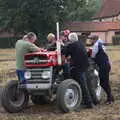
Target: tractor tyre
93,82
69,95
14,99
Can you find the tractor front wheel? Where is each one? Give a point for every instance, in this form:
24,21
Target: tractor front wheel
14,99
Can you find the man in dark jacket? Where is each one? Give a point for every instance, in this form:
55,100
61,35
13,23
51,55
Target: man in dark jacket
102,60
79,65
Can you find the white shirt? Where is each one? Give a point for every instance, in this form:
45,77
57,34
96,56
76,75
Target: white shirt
95,48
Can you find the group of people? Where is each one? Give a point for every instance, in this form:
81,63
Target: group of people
73,47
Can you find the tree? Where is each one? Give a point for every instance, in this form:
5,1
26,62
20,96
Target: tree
40,16
81,10
30,15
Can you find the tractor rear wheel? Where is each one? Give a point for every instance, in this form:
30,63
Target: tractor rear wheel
94,82
69,95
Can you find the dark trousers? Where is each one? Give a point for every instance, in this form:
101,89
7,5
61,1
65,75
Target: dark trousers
66,70
80,77
104,70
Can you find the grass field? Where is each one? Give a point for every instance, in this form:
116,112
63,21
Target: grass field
51,112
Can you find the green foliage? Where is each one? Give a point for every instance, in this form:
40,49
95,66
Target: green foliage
30,15
8,42
81,10
40,16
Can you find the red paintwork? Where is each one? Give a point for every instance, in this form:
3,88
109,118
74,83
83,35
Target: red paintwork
50,55
89,51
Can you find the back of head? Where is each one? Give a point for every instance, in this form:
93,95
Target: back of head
93,37
65,33
73,37
51,37
30,37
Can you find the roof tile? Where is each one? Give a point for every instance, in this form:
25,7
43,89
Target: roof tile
108,9
92,26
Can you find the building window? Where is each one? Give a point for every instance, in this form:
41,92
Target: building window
117,33
100,19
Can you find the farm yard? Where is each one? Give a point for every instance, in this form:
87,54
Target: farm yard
50,111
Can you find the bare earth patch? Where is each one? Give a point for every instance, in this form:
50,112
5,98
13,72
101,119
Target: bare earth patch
51,112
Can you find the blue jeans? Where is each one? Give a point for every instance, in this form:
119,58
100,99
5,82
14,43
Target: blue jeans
20,74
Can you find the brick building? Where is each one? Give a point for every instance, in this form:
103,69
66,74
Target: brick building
106,22
109,11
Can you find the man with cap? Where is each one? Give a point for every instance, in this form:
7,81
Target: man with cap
79,65
101,58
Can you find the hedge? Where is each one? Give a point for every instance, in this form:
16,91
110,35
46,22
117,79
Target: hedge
10,42
116,40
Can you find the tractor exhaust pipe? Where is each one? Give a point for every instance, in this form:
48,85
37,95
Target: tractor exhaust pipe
58,46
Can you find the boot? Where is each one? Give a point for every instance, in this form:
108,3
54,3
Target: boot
110,100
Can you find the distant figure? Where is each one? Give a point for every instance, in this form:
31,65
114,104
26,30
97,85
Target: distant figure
51,46
64,37
24,46
102,60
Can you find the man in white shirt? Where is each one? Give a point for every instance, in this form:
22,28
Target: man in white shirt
101,58
95,48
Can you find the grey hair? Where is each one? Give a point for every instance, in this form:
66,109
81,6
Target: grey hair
73,37
31,34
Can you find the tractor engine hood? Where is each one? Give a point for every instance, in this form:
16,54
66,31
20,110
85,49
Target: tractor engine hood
41,59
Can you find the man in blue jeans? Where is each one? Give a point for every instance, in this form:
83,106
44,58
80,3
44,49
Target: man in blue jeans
79,64
24,46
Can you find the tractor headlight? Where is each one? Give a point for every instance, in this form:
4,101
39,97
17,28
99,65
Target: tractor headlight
46,74
27,75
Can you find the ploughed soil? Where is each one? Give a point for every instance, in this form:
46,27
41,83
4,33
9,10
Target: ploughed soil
51,112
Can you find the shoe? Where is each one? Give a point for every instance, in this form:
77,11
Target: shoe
110,100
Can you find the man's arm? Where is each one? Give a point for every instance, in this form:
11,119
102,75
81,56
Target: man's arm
51,47
94,51
96,48
38,49
33,48
66,50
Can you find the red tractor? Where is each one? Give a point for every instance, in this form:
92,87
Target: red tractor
44,82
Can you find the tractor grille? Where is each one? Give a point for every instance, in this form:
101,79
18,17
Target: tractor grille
36,59
36,75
